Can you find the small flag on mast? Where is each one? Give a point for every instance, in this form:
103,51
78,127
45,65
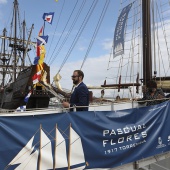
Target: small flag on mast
48,17
42,40
21,108
36,78
41,31
27,96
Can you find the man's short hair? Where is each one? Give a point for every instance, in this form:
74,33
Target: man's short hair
151,84
80,73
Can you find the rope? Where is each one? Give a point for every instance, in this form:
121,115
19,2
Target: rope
164,34
64,28
129,61
69,31
96,31
53,92
158,41
55,32
91,10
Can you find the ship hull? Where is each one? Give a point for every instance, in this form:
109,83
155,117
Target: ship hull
12,96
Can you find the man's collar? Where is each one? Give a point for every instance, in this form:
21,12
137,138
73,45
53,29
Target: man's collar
78,84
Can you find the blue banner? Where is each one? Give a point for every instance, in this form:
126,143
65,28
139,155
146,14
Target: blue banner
100,139
118,47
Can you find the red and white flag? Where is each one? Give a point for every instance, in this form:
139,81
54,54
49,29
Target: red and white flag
36,78
41,31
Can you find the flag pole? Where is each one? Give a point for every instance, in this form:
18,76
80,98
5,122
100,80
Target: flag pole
44,28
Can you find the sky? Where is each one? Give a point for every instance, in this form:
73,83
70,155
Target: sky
95,65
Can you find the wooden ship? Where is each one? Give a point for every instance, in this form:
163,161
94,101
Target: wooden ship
16,74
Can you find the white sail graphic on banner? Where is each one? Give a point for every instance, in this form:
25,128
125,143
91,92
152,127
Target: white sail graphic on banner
76,149
29,163
28,158
24,153
46,153
61,159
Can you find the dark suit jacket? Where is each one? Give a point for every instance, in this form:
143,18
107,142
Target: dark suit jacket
80,97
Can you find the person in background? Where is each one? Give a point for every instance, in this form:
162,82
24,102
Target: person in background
144,89
80,94
151,93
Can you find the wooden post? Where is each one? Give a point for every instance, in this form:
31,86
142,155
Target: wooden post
55,147
147,52
69,148
39,163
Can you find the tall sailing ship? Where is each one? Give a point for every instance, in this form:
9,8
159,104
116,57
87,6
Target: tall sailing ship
17,69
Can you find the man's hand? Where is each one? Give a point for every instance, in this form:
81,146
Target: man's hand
66,104
160,96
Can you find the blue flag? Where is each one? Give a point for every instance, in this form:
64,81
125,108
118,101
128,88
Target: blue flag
42,40
27,97
118,48
48,17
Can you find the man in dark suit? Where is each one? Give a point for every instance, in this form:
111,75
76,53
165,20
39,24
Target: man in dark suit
80,94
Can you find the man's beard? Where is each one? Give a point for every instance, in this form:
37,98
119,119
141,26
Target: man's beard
75,82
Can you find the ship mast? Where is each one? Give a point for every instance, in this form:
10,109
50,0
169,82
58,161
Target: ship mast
3,58
147,53
15,39
24,27
18,45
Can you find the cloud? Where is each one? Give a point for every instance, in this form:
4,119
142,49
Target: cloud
3,1
107,44
82,48
1,12
95,70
